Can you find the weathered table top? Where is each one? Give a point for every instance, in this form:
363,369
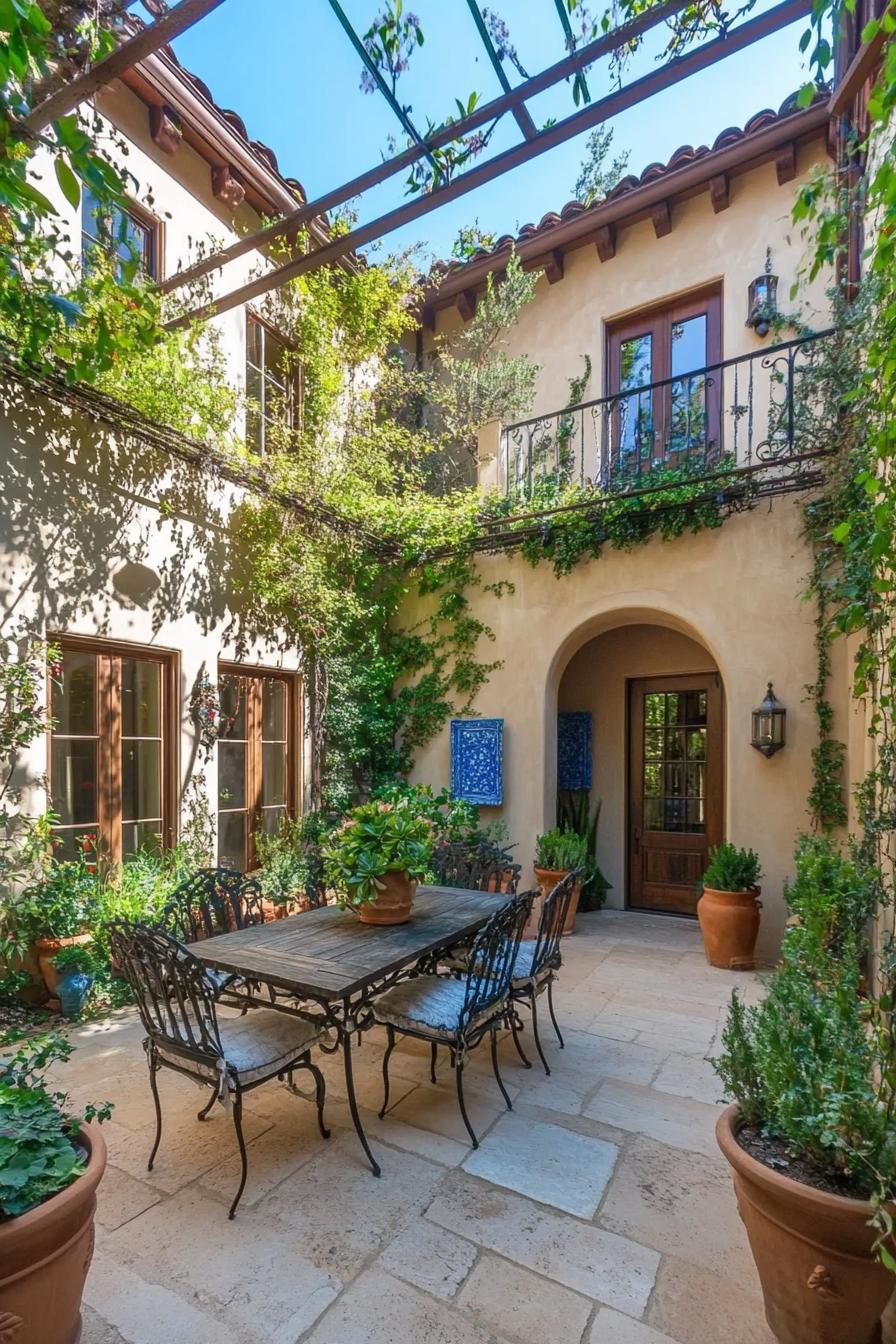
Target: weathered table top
330,954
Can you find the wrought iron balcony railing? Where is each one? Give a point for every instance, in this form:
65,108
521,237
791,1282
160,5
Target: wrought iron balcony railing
755,411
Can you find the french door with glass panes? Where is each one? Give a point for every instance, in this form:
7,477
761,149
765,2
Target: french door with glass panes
664,411
675,788
256,767
112,747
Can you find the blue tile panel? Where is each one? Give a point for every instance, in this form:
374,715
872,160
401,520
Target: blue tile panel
477,760
574,750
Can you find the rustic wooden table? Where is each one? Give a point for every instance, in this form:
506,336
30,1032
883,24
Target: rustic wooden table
326,965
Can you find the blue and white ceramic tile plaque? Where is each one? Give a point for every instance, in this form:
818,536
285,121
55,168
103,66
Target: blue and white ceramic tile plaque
477,760
574,750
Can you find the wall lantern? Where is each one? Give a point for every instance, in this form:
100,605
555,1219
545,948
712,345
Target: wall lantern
768,724
762,299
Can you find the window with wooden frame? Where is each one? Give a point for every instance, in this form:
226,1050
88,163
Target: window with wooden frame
126,234
257,758
665,410
273,384
113,747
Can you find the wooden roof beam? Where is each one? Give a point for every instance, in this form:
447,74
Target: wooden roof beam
661,214
149,39
520,112
605,242
663,77
486,112
466,304
785,163
720,192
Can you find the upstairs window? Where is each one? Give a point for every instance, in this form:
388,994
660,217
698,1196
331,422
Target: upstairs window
270,385
119,234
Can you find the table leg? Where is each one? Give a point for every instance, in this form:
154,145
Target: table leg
352,1103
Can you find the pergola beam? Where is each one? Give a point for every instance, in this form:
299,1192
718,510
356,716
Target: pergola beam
382,171
134,49
520,112
571,44
666,75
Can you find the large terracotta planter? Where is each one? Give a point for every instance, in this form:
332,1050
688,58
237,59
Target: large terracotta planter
45,1255
729,923
393,903
46,949
820,1282
547,879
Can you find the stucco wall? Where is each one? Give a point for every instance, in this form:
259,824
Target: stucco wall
595,680
736,591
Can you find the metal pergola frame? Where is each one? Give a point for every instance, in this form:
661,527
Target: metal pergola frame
184,14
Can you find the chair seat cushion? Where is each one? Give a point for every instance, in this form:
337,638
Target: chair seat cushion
522,966
431,1005
257,1045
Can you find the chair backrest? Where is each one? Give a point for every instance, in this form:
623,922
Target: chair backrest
212,901
174,996
475,868
554,910
492,956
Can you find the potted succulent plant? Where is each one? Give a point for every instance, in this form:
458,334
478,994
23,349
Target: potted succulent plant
728,908
376,857
558,852
810,1138
50,1166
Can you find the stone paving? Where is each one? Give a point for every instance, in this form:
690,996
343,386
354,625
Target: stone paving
598,1211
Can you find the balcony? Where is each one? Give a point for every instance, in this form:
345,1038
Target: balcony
755,415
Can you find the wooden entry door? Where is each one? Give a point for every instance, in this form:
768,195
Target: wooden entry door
675,788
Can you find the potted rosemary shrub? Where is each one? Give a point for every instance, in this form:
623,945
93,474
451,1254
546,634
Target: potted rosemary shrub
810,1137
376,858
51,1163
728,908
557,852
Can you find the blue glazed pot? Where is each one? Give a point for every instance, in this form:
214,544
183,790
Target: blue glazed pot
74,986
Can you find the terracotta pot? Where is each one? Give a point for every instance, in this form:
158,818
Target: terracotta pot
820,1282
729,923
547,879
45,1255
46,949
393,902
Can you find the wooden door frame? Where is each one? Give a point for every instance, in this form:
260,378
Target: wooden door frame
663,682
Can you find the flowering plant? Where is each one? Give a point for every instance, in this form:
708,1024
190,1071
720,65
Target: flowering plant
205,710
60,903
374,839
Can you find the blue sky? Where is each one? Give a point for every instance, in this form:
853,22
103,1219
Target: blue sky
288,69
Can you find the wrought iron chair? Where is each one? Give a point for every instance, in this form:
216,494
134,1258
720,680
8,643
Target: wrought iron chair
474,869
212,901
458,1013
178,1009
537,962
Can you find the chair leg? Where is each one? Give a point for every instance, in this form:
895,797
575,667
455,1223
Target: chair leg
153,1070
207,1108
244,1159
534,1011
552,1013
497,1072
459,1077
320,1093
390,1032
515,1032
434,1051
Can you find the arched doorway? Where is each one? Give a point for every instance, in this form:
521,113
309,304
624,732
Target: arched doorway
656,703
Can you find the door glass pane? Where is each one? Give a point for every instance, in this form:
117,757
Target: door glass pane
271,818
673,782
635,412
137,835
141,698
73,776
232,694
74,694
273,774
635,362
687,395
141,780
273,710
232,839
231,774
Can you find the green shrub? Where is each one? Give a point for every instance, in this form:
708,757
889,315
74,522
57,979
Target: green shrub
732,869
832,897
560,851
292,859
574,814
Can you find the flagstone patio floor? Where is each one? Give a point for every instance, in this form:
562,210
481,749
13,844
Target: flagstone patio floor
598,1211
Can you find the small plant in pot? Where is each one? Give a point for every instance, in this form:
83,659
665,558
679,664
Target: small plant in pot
558,852
51,1163
728,908
376,857
810,1137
